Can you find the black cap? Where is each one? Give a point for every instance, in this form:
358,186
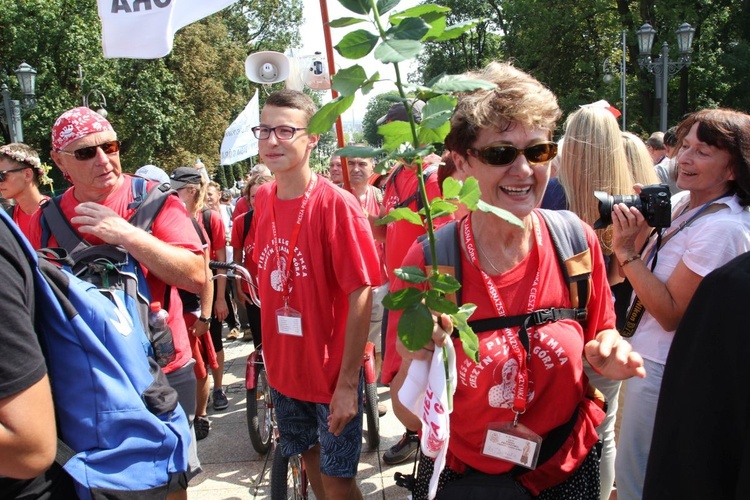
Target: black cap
184,175
397,112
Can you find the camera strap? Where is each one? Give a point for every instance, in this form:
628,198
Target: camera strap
635,313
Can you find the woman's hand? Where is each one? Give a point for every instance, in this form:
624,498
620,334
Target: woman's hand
611,356
628,224
442,328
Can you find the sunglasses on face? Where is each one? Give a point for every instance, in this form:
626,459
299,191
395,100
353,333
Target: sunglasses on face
4,173
282,132
89,152
499,156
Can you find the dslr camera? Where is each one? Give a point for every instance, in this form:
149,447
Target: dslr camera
653,202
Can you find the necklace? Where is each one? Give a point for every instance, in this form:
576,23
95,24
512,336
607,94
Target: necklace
488,259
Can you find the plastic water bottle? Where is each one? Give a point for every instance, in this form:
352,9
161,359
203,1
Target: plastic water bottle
161,334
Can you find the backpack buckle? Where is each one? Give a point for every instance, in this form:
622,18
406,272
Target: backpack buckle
543,316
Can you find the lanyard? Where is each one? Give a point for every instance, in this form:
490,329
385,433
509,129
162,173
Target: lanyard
517,350
286,274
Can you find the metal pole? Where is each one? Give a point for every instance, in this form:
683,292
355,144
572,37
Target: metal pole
623,81
664,85
12,115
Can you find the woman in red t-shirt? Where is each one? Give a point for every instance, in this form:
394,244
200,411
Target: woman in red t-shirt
21,174
528,382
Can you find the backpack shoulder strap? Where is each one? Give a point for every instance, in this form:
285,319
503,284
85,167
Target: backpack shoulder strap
378,193
148,204
448,250
573,253
54,223
246,229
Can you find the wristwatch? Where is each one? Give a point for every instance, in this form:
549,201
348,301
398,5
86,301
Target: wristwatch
204,320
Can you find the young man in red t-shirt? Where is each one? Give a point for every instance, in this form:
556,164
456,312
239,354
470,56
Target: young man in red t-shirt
86,150
316,267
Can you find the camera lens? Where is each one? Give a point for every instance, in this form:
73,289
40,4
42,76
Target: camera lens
607,203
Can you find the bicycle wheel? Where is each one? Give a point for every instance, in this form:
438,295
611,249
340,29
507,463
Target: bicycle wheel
373,417
288,477
259,408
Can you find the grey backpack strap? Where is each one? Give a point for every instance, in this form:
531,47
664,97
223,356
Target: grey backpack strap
573,254
67,237
150,206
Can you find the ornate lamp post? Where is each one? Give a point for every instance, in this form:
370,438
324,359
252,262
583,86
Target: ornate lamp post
100,103
26,76
608,78
662,67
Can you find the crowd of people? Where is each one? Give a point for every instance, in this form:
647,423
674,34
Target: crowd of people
629,320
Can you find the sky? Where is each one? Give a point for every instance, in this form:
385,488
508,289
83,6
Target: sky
313,40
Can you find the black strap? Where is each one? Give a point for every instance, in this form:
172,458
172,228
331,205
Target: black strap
551,444
426,173
246,229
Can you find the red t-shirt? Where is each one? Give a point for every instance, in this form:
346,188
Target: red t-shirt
244,247
242,206
399,238
172,225
484,392
23,220
334,256
216,237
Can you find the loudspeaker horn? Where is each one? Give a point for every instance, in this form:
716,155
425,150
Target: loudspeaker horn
267,67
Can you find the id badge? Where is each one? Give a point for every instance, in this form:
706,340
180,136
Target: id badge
289,321
517,444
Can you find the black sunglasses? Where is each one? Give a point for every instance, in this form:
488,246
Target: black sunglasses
499,156
5,172
89,152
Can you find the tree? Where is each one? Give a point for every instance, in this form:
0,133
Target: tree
376,107
220,177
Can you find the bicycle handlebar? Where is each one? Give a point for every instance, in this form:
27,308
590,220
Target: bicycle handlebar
232,266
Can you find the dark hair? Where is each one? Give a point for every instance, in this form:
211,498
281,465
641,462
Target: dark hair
728,130
670,137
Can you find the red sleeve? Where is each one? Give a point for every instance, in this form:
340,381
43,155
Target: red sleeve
238,227
242,206
601,309
173,226
218,238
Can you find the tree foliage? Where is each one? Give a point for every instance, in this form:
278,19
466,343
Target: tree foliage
166,111
376,108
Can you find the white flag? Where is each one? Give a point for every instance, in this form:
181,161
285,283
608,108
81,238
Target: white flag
144,29
239,142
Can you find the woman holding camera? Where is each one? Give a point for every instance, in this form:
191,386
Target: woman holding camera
710,226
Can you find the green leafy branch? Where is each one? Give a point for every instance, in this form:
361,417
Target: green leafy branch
400,39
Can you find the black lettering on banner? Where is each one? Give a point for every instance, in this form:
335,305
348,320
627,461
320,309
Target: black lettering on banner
124,6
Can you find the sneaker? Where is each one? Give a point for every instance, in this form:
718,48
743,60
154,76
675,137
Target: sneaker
233,334
382,409
403,450
202,425
220,399
247,335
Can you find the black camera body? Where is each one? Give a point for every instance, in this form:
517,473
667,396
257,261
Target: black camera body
654,203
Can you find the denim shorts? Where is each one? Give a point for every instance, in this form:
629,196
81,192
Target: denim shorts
302,425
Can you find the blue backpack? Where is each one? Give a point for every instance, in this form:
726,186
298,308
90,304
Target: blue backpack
121,429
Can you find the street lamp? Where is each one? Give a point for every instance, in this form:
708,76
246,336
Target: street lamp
26,76
608,78
662,67
101,103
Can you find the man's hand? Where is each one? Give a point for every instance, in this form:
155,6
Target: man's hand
102,222
344,407
611,356
199,328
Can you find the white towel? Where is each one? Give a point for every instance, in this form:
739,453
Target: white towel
425,393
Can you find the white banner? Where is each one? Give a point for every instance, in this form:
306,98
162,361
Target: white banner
144,29
239,142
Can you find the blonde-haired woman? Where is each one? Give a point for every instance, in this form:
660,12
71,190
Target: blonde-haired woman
640,162
594,159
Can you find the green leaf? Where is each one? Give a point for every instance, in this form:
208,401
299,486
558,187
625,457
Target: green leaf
461,83
324,119
401,214
395,134
433,135
438,111
437,302
415,327
357,44
357,6
469,340
401,299
396,51
411,274
454,31
451,188
418,11
440,208
444,283
343,22
470,193
346,81
368,84
411,28
384,6
358,152
502,213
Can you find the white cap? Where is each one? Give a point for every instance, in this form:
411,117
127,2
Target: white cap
152,173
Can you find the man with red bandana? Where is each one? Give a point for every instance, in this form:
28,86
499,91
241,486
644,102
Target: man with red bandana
85,148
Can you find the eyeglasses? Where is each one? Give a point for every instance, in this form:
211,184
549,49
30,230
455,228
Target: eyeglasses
89,152
499,156
6,172
283,132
